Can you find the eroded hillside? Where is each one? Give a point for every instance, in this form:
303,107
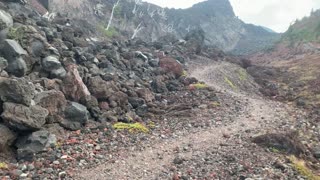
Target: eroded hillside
131,18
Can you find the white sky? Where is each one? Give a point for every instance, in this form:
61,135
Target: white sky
274,14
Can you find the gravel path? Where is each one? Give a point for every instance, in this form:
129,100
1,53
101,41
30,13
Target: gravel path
181,157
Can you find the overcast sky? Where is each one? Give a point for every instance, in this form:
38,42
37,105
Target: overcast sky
274,14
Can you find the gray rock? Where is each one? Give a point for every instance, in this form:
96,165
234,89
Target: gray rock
154,62
12,49
24,118
136,102
37,47
5,20
59,73
17,67
316,152
3,64
158,85
17,90
7,138
34,143
76,115
51,63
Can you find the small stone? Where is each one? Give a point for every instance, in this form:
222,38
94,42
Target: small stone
62,174
23,168
23,175
178,160
82,161
49,170
98,148
16,172
31,167
64,157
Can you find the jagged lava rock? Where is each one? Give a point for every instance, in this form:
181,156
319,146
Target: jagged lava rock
17,90
54,101
76,115
171,65
73,86
34,143
7,138
101,89
24,118
13,52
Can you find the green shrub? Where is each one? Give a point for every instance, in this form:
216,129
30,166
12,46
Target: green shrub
111,32
16,33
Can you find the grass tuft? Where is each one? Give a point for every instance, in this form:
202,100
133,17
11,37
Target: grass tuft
300,166
230,83
199,86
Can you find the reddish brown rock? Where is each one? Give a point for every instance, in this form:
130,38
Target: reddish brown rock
120,98
101,89
170,65
104,106
20,117
145,94
51,84
54,101
73,86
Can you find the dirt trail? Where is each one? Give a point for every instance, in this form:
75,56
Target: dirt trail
259,116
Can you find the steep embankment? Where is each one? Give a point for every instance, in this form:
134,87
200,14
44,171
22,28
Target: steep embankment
216,18
289,71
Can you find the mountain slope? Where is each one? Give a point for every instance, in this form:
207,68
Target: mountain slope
215,17
290,70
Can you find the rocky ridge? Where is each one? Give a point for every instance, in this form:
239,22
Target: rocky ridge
134,18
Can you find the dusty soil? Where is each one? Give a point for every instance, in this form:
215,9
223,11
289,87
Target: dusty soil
221,150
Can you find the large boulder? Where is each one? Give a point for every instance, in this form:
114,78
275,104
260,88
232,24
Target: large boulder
5,20
12,48
17,90
101,89
34,143
76,115
24,118
52,65
73,86
17,67
14,53
7,138
171,65
54,101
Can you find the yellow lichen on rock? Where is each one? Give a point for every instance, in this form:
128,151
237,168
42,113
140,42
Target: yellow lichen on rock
132,128
3,165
